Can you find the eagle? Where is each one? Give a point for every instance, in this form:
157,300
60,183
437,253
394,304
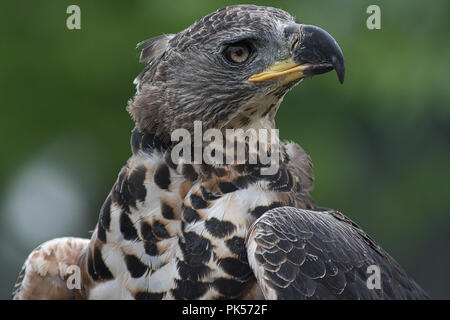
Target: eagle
197,230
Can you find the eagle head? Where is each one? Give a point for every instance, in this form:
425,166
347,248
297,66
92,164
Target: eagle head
229,69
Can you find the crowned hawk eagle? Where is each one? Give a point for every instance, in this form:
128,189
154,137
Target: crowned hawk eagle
185,230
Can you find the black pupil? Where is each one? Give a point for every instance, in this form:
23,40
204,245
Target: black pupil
239,51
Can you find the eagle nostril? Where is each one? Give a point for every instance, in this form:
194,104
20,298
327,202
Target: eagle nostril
294,43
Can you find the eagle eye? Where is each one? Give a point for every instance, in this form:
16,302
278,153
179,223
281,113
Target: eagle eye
238,53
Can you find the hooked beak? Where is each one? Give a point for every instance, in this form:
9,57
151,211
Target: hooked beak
313,52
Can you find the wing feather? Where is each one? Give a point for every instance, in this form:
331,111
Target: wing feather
305,254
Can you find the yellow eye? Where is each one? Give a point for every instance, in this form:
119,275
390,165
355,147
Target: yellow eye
237,53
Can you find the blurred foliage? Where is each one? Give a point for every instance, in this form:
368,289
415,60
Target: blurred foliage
379,143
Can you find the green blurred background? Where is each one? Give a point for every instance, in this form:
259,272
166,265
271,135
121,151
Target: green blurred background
379,143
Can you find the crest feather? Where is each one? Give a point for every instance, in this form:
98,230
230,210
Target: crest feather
154,47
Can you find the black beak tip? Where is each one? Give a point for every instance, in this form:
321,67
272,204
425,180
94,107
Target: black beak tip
339,67
319,47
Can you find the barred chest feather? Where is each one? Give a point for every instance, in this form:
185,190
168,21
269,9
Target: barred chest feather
171,231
